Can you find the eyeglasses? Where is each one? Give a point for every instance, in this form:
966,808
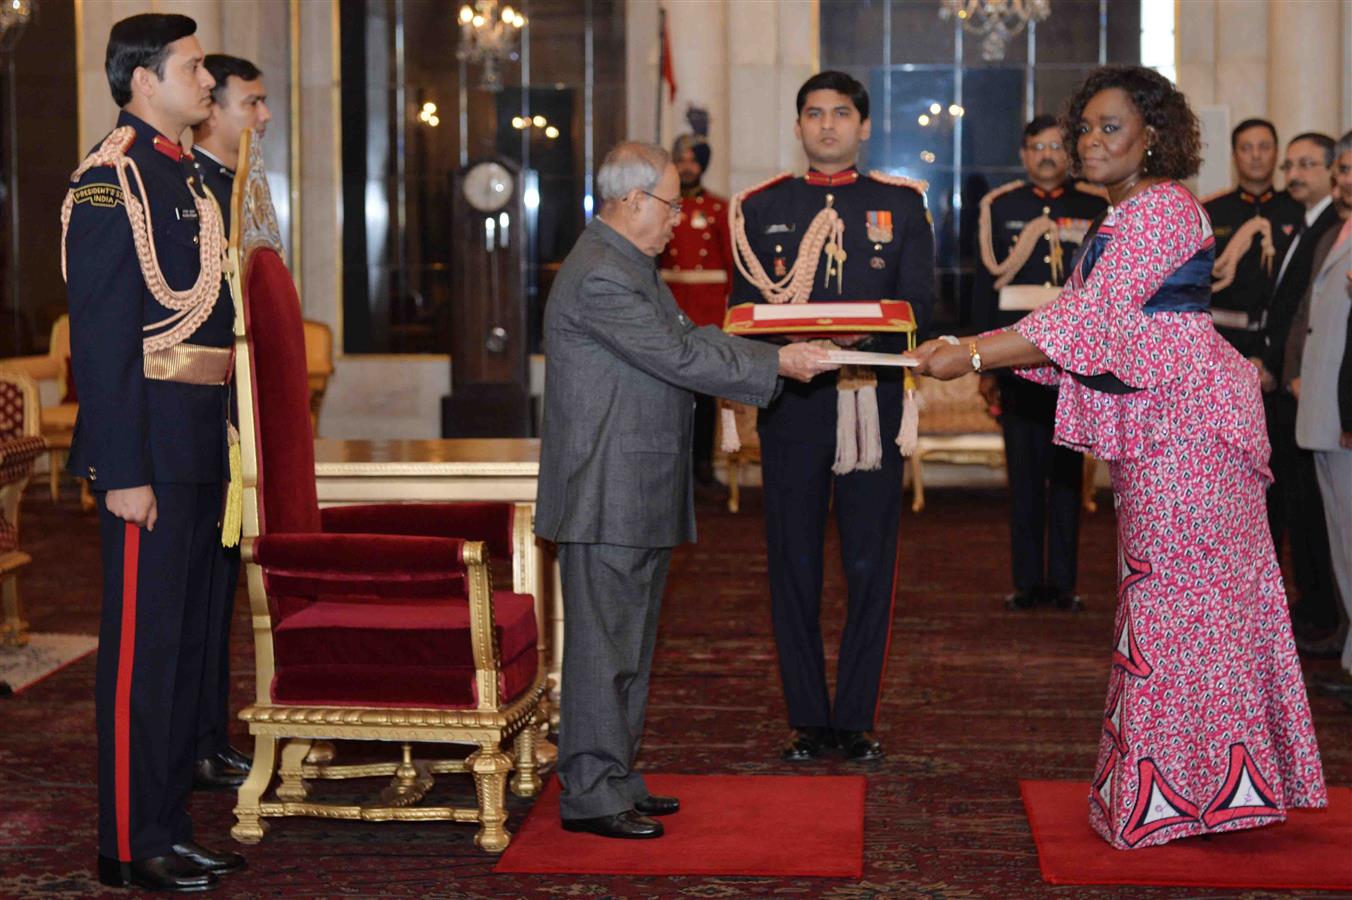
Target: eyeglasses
1303,164
673,205
1039,147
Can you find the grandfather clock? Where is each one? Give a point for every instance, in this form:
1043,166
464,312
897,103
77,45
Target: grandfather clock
489,375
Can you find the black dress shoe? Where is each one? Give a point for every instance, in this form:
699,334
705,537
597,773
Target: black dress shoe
158,873
653,805
1068,601
211,860
859,747
627,824
1021,600
808,743
236,759
212,775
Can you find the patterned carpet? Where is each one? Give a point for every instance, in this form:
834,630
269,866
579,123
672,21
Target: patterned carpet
976,698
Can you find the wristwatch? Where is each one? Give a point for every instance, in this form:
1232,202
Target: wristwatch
976,356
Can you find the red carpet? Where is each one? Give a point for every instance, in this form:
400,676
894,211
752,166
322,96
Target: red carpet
1312,850
774,825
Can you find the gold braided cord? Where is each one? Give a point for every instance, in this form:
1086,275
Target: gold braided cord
1024,246
193,305
1228,262
796,285
915,184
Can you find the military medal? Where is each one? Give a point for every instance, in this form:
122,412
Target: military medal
880,225
780,269
697,219
878,262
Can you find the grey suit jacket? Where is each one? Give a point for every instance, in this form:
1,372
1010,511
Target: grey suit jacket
621,361
1318,423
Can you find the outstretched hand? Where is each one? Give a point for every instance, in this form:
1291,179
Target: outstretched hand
939,359
803,361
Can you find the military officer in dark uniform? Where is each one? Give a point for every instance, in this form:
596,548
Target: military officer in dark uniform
238,101
151,342
887,252
1239,311
1029,231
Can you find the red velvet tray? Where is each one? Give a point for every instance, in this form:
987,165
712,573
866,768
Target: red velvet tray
822,318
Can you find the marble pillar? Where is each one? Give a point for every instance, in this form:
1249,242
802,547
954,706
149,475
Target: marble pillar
1305,66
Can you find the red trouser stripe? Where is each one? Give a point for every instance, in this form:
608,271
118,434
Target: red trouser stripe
131,547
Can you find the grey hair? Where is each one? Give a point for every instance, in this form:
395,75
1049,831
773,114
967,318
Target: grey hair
631,166
1344,145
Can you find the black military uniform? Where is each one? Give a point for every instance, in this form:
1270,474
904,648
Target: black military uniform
1044,479
889,241
213,743
140,425
1240,310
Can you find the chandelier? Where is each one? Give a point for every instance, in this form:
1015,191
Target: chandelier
487,37
14,15
995,21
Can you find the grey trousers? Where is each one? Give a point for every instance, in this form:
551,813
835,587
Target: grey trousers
611,599
1334,470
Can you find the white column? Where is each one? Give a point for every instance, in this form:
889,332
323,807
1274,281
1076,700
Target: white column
697,30
1241,57
1304,70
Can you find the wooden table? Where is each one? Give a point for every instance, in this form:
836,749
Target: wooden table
428,471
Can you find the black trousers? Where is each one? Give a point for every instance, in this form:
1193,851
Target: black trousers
798,488
214,706
702,448
1044,486
152,656
1296,513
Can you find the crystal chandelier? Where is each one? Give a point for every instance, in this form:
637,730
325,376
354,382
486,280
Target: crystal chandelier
487,37
995,21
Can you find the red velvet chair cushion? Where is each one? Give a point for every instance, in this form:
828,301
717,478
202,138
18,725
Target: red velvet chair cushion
286,453
487,522
383,653
360,565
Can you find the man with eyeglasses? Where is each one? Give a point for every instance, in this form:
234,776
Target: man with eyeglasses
1028,232
1295,506
1239,311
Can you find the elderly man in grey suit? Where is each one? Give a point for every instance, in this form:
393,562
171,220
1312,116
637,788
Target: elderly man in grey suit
622,366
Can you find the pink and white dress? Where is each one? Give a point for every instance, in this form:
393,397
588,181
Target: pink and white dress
1207,727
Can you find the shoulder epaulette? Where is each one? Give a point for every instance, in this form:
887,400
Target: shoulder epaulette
1003,189
740,196
1092,190
1216,195
915,184
116,144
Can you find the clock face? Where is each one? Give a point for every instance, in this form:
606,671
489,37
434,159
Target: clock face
488,186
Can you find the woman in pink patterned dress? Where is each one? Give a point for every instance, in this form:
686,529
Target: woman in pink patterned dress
1206,726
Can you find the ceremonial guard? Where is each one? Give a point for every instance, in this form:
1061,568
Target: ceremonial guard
1253,224
697,266
152,326
238,101
862,237
1028,232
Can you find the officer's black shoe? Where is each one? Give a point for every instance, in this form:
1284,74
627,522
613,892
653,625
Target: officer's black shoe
704,474
653,805
1021,600
808,744
211,774
159,873
628,824
235,759
859,747
211,860
1068,601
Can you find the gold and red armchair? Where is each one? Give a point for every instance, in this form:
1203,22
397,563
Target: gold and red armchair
20,445
371,623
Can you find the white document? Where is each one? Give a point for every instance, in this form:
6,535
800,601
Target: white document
778,312
860,358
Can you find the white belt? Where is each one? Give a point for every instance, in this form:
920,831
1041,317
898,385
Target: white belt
694,276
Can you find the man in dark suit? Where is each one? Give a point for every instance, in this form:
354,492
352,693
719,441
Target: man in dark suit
1295,507
622,366
151,345
1044,479
238,101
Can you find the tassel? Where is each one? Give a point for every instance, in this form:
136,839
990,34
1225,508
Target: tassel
232,520
730,441
909,435
847,442
870,432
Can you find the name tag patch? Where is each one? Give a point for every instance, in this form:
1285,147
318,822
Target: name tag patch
782,229
101,195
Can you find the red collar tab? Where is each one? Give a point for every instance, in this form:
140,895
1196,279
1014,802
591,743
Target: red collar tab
1048,195
170,148
1267,195
821,179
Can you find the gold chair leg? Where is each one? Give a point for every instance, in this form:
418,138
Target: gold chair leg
249,824
734,483
55,459
1088,484
293,786
917,484
410,783
525,780
14,629
490,767
321,753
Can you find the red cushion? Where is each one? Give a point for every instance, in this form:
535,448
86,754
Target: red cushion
490,522
383,653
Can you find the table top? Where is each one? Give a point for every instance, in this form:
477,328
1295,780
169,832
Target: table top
449,457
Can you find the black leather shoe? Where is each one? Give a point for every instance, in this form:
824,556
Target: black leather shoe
1020,600
211,860
236,759
628,824
1068,601
653,805
808,743
158,873
212,775
859,747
